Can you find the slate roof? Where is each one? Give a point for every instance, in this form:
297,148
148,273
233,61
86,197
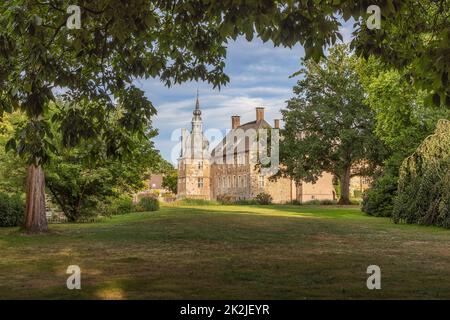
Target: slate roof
256,124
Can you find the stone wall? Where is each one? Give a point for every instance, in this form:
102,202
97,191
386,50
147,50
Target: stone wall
188,180
230,179
282,190
323,189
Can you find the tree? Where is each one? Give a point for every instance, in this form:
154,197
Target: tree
424,184
414,39
119,41
404,117
12,172
82,176
170,181
328,126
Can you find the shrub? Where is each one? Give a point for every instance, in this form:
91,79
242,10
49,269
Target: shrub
328,202
148,204
246,202
226,199
357,194
12,211
378,201
355,202
314,202
120,205
196,202
264,198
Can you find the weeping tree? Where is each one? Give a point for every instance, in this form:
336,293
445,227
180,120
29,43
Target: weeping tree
424,184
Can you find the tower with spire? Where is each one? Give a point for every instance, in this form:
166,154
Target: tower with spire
194,161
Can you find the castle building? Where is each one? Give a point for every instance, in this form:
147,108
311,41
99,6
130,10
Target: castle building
193,165
233,169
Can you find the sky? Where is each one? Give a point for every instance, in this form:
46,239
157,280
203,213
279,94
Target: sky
259,77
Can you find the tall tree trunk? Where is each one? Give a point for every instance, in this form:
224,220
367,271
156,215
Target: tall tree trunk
345,187
35,219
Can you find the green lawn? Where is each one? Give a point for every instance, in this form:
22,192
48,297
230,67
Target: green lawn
229,252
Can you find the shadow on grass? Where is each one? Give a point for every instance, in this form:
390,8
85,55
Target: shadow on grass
227,252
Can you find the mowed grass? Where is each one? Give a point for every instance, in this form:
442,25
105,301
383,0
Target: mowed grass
229,252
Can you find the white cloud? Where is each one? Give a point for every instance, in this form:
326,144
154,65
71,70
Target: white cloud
259,76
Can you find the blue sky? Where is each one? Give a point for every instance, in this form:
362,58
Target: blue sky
259,76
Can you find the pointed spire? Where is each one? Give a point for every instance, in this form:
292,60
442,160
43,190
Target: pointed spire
197,111
197,103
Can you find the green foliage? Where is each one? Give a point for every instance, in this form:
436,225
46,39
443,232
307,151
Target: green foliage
316,202
93,69
12,168
403,120
121,205
78,189
148,204
170,181
12,209
357,194
121,41
403,116
226,199
195,202
264,198
424,184
414,39
328,202
378,201
328,125
181,41
80,178
246,202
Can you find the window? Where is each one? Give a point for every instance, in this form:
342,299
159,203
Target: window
234,182
239,182
200,182
261,181
245,181
200,165
223,182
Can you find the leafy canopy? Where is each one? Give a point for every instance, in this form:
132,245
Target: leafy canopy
415,39
328,125
81,178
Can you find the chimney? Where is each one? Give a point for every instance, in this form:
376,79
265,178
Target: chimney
259,113
276,123
235,122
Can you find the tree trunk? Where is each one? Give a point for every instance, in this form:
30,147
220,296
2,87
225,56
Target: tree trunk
345,187
299,192
35,219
